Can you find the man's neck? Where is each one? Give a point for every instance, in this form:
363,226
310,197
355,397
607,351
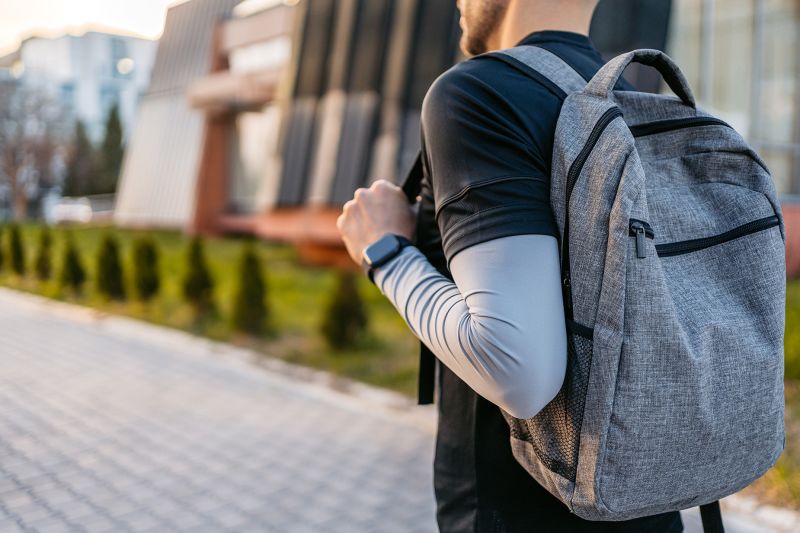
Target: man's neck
522,19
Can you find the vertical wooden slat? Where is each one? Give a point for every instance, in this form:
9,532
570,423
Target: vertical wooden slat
359,126
315,55
434,49
386,148
325,149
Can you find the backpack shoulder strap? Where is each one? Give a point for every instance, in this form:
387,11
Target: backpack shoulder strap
411,185
711,517
549,65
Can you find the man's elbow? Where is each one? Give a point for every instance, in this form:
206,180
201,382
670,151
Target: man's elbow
528,392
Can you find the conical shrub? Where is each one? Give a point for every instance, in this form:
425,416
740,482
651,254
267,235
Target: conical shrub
73,275
250,311
198,285
146,278
16,250
345,317
43,264
109,269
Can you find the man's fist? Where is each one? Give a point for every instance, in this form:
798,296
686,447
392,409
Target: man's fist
383,208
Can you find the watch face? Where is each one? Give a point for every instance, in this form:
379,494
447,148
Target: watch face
381,249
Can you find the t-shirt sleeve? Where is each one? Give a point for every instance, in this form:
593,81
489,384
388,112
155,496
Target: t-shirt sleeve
487,135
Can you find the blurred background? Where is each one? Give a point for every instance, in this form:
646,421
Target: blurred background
183,163
263,117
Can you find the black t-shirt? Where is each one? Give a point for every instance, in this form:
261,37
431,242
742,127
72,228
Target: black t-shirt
487,140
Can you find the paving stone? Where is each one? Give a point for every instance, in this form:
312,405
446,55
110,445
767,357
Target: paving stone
231,518
53,525
54,495
78,510
17,500
119,508
10,526
140,521
187,520
99,524
8,485
31,513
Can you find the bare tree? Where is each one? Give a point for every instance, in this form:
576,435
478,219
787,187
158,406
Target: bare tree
32,134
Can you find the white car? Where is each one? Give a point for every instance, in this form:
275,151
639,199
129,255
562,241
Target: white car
66,210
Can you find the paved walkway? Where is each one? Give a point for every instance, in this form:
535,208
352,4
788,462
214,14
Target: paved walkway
107,424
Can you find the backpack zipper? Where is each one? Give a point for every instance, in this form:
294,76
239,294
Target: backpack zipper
684,247
572,177
577,165
661,126
640,229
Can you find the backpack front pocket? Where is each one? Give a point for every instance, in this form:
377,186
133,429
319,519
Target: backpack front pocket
642,230
697,401
693,245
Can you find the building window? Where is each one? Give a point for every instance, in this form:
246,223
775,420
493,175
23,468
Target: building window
251,143
741,57
119,53
267,55
67,94
776,128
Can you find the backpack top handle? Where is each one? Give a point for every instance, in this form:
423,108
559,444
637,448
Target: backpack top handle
607,77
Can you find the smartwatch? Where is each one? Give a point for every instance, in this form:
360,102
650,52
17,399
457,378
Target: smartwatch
381,251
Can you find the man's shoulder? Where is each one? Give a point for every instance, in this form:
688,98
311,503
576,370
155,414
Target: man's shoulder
485,80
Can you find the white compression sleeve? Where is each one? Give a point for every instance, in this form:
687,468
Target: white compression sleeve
499,327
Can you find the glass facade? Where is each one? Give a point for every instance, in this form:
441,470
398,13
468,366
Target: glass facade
741,57
250,141
261,56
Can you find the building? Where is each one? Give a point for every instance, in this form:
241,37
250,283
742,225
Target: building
264,116
87,73
165,156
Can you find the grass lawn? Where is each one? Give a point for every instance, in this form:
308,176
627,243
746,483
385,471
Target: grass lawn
781,485
386,356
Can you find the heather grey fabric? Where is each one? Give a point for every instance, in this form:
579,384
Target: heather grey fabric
674,389
550,66
604,81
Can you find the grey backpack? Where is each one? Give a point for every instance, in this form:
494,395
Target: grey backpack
674,277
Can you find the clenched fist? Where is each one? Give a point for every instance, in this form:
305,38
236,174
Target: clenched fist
383,208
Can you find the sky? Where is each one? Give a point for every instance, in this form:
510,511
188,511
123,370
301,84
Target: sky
20,18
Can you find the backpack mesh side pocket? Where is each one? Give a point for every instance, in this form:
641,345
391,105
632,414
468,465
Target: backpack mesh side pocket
554,433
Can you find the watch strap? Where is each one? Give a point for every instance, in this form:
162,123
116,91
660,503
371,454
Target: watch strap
370,270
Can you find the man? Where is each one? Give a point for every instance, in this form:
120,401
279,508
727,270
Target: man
474,270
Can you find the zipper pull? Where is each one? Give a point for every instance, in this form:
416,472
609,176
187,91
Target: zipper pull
639,231
640,251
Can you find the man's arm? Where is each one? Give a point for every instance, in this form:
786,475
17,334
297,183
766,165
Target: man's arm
499,327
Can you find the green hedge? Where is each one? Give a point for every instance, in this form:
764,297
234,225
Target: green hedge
157,266
792,334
